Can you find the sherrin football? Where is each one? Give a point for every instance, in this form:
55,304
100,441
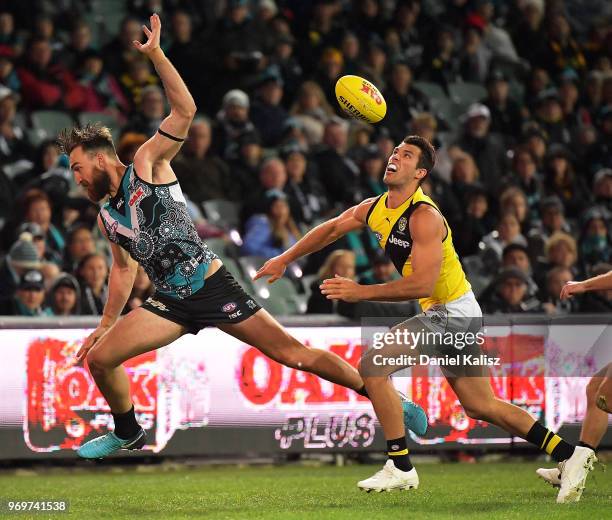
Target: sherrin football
360,99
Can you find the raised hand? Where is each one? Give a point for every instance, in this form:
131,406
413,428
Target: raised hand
274,268
340,288
572,288
153,34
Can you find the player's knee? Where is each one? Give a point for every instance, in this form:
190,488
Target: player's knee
483,411
97,362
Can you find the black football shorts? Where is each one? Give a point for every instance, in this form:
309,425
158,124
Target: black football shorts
221,300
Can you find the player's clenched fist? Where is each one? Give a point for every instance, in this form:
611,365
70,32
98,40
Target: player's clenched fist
571,288
90,342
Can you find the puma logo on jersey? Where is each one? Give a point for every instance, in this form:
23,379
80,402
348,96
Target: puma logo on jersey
402,243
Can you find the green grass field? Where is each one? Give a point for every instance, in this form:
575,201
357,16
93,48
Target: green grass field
485,490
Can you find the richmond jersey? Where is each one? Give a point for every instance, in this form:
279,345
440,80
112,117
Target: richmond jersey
150,221
392,230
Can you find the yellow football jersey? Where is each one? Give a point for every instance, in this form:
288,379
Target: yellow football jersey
392,230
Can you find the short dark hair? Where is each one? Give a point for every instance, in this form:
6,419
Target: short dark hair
90,137
427,158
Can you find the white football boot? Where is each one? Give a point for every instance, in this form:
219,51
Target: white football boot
550,475
574,472
390,478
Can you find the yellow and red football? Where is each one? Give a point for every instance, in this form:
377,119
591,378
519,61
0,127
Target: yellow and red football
360,99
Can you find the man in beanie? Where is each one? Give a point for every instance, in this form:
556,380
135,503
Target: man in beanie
64,296
22,256
232,121
29,297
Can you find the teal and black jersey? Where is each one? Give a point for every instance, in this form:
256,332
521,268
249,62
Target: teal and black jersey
150,221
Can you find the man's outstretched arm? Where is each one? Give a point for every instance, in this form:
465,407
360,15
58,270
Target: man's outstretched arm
427,234
317,238
162,147
597,283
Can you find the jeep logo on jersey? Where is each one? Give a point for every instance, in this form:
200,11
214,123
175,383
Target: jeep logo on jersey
229,307
401,224
398,242
136,196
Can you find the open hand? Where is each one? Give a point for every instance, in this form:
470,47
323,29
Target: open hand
274,268
90,342
340,288
152,42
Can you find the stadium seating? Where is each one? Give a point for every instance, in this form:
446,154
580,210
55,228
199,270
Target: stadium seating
465,93
51,122
222,213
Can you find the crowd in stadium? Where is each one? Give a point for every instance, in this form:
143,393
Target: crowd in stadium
516,96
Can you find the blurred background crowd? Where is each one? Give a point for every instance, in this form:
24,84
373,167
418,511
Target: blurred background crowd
516,96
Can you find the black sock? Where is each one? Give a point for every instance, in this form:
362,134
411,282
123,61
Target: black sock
585,445
397,449
362,391
126,425
550,442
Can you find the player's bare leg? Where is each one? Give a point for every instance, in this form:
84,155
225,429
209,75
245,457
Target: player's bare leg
595,421
138,332
265,333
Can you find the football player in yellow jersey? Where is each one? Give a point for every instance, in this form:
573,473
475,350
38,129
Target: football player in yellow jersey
416,237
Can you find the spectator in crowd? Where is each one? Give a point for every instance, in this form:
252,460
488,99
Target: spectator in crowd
100,91
464,175
150,113
10,39
79,45
602,188
495,37
595,245
382,271
475,223
120,52
552,221
267,113
524,175
474,55
306,196
288,66
373,168
14,147
8,74
528,33
203,175
548,114
92,273
598,301
485,148
561,250
511,294
556,278
29,297
272,179
38,239
247,162
508,231
64,296
137,78
403,101
22,256
273,233
536,141
313,110
37,209
514,200
339,174
79,244
232,121
506,114
128,146
340,262
560,50
376,63
560,180
142,289
45,84
442,64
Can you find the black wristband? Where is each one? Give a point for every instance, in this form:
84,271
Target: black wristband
169,136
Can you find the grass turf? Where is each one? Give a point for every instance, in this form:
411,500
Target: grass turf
486,490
